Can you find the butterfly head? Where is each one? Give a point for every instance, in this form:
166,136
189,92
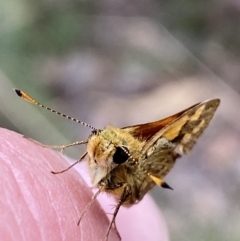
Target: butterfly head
105,151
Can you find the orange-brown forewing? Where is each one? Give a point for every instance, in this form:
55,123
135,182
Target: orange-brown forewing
147,130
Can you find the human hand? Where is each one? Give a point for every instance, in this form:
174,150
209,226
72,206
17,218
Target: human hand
38,205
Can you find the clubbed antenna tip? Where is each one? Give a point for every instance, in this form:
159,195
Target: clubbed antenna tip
18,92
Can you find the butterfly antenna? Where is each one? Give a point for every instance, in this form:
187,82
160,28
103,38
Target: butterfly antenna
28,98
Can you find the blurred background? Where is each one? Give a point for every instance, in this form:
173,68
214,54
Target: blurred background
121,63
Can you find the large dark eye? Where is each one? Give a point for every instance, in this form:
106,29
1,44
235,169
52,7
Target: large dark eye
121,155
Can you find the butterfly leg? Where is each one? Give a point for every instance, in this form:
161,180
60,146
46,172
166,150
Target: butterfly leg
64,170
122,199
62,147
89,205
115,226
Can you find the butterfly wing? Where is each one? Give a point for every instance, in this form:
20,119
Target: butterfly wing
147,130
186,129
159,151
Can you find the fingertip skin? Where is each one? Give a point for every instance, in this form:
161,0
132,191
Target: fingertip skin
38,205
